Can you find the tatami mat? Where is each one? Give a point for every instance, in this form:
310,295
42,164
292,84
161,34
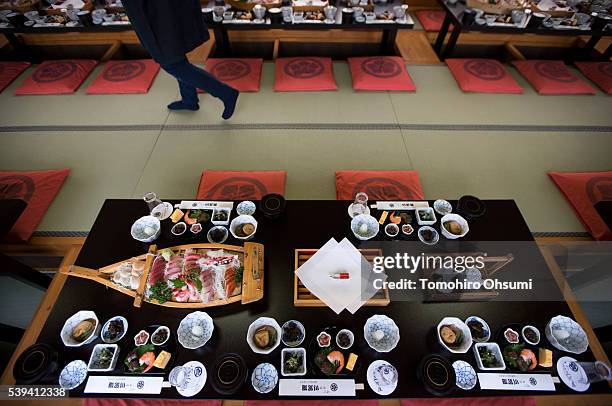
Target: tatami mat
437,102
268,106
498,165
310,158
438,99
92,110
103,165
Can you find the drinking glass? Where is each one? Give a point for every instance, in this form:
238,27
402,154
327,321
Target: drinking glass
151,200
596,371
358,208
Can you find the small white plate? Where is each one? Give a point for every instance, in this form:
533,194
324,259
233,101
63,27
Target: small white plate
195,381
162,211
572,374
73,374
465,374
378,371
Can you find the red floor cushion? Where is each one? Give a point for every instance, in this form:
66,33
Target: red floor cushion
552,77
482,76
57,77
496,401
311,402
599,73
380,73
38,189
379,185
9,72
150,402
241,74
125,77
582,190
238,185
304,74
431,20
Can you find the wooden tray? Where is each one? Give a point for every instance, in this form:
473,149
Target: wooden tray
252,257
248,6
88,6
302,296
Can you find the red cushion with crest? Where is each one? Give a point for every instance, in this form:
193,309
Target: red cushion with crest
304,74
482,76
125,77
242,74
380,73
57,77
431,20
37,189
9,72
238,185
599,73
582,190
379,185
552,77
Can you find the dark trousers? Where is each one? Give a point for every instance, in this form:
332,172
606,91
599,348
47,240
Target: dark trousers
191,78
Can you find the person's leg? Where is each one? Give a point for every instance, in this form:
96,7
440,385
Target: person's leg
189,98
195,77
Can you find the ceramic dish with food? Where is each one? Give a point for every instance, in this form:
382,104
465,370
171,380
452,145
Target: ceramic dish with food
178,229
221,217
293,362
489,357
454,335
381,333
293,333
426,216
364,226
195,330
454,226
246,208
479,329
392,230
331,359
217,235
566,335
160,336
243,227
146,229
345,339
79,329
264,335
531,335
103,358
114,329
149,358
428,235
519,358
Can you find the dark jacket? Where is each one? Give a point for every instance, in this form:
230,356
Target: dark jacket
168,29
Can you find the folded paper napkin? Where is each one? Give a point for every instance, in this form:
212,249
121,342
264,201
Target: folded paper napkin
339,294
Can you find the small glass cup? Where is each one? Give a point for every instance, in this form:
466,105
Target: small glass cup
361,198
596,371
151,200
358,208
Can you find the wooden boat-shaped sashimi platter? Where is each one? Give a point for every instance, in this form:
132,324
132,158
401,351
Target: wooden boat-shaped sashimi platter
186,276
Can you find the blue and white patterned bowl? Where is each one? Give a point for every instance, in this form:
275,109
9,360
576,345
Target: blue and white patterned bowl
264,378
185,330
73,374
576,340
371,226
146,229
465,374
246,208
381,333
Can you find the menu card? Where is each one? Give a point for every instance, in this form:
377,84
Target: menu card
504,381
203,205
339,294
132,385
316,387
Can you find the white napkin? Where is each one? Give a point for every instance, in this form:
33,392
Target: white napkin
338,294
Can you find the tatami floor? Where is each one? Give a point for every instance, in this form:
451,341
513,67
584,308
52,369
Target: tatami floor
492,146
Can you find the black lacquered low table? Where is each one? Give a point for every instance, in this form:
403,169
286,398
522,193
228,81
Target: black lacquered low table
454,16
305,224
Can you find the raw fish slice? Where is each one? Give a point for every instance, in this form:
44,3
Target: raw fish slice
180,294
194,294
157,270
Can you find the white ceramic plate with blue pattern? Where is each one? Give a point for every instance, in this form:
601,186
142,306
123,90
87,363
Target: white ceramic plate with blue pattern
381,333
465,375
73,374
264,378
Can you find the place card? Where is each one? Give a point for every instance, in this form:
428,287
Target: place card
399,205
316,387
203,205
132,385
503,381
